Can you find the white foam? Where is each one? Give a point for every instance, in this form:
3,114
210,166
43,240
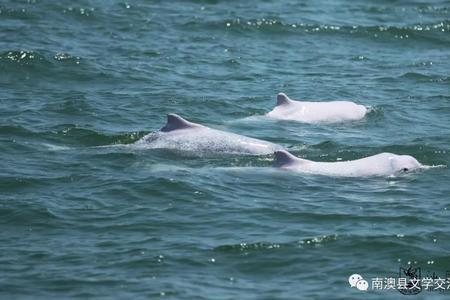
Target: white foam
55,147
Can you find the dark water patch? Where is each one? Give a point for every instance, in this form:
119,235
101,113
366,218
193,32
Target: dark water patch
232,62
326,146
17,212
419,77
10,184
75,104
151,53
71,134
19,65
439,98
8,130
20,183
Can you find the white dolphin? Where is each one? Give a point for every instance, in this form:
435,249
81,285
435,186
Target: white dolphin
383,164
182,135
316,112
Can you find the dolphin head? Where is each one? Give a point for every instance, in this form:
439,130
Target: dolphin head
404,164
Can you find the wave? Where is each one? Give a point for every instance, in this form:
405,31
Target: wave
71,134
263,246
19,64
36,13
33,58
415,76
23,58
276,25
423,77
86,137
336,241
26,214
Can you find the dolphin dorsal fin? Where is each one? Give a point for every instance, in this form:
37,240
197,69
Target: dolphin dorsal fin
284,158
282,99
175,122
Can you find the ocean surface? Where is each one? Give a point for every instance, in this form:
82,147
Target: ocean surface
81,218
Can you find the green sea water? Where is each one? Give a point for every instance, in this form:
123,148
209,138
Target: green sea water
83,219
